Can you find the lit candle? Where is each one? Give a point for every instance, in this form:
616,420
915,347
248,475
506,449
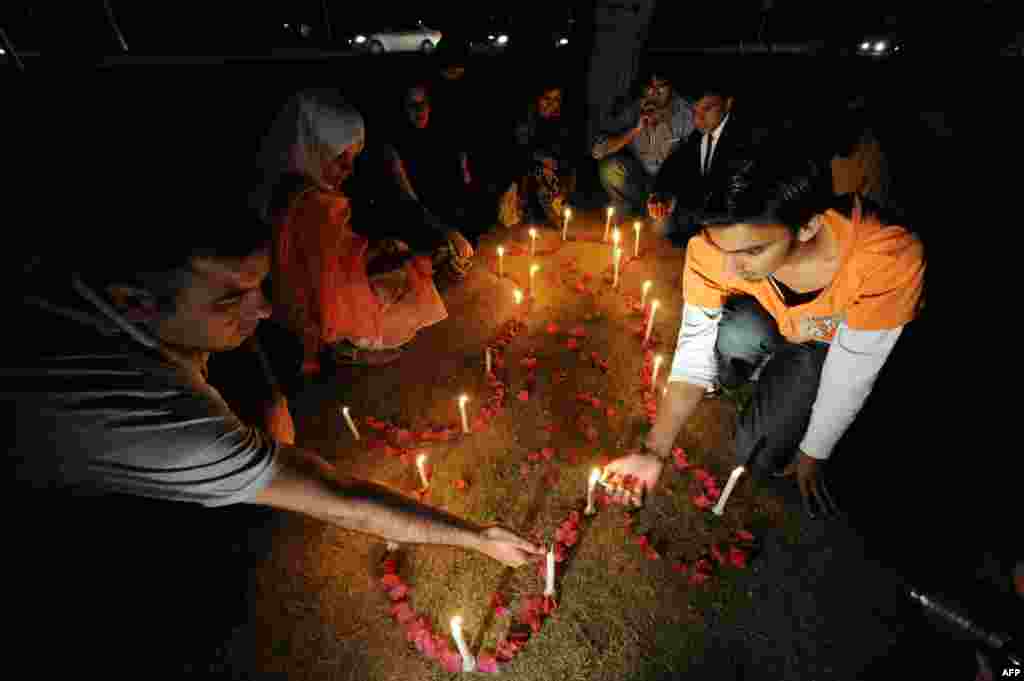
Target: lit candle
351,424
654,374
533,241
618,255
533,271
720,506
468,661
615,236
595,475
636,244
608,223
501,261
565,225
643,295
462,408
487,361
421,466
549,588
518,295
650,321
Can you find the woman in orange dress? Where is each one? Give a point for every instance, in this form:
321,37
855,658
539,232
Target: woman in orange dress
323,289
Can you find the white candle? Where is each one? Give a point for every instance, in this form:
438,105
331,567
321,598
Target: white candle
733,477
643,295
617,255
565,225
533,241
533,271
462,407
636,244
595,475
549,588
654,374
421,466
487,361
468,661
650,321
351,424
608,223
501,261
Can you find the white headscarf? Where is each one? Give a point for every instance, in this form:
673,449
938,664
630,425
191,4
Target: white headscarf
313,128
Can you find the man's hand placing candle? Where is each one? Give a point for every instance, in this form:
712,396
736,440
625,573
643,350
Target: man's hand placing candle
506,547
675,409
660,206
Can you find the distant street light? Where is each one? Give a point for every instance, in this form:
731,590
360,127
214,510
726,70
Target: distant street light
880,46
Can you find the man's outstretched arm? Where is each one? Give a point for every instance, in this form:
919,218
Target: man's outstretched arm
307,484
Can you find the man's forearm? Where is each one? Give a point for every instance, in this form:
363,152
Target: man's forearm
306,484
674,411
617,142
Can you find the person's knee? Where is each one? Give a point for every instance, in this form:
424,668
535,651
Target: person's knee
746,329
612,173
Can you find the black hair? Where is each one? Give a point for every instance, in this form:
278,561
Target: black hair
713,89
771,188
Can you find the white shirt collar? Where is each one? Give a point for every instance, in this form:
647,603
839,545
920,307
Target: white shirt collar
718,131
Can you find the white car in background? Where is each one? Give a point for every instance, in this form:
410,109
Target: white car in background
409,37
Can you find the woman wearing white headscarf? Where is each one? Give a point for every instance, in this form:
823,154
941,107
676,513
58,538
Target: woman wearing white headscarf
322,289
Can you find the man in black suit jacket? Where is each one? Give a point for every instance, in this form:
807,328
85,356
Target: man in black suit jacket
701,165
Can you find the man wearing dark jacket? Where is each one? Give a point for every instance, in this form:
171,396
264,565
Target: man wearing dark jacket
702,164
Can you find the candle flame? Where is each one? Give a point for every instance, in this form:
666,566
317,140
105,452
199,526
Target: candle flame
420,460
457,622
657,360
344,410
611,210
518,296
533,233
534,268
595,475
568,212
636,225
501,250
463,399
654,305
647,286
615,235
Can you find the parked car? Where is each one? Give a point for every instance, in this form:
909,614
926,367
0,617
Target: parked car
398,37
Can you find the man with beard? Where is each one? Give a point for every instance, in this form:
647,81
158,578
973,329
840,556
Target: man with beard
637,141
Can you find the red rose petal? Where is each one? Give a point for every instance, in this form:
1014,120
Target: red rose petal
524,470
578,331
574,518
390,580
651,554
551,478
523,395
451,661
611,412
533,456
717,554
399,592
552,328
548,453
702,502
698,578
572,344
486,663
744,535
737,557
402,612
679,567
460,484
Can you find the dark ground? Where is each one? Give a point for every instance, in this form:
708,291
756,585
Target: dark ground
916,486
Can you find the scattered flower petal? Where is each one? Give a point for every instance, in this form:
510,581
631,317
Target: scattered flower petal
744,535
460,483
702,502
390,580
717,554
737,557
679,456
578,332
486,663
451,661
572,344
548,453
552,328
523,395
399,592
679,566
402,612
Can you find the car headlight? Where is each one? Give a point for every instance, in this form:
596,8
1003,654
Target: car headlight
502,39
490,37
360,39
865,46
563,41
880,46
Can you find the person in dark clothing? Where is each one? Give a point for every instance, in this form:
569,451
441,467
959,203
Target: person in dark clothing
701,165
544,142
